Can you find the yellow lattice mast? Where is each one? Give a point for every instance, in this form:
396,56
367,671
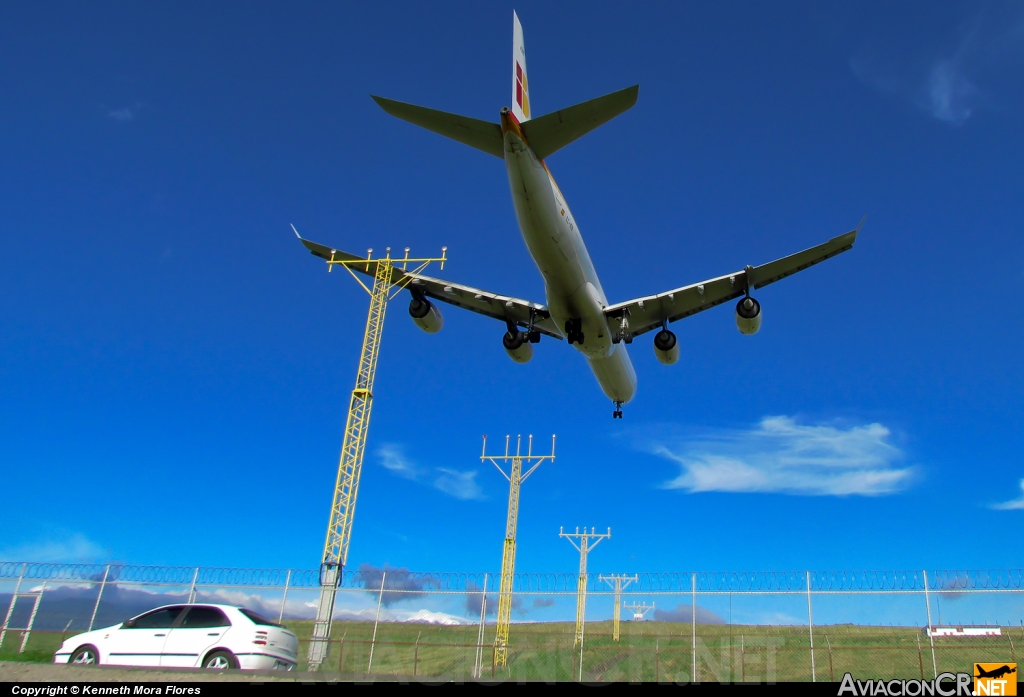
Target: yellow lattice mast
388,280
618,583
515,479
588,540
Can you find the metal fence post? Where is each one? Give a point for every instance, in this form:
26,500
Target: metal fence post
931,637
810,627
192,590
373,641
284,598
99,597
693,623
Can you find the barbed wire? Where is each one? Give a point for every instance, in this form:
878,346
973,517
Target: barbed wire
398,579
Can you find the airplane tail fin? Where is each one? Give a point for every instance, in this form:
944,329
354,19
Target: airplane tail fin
545,134
520,86
554,131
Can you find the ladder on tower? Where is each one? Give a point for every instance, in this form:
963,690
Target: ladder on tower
35,596
388,281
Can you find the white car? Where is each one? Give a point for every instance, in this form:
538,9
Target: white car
187,636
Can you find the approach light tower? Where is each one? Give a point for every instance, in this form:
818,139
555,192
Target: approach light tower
640,610
619,583
515,479
388,280
588,540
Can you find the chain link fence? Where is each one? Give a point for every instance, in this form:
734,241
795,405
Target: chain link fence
676,627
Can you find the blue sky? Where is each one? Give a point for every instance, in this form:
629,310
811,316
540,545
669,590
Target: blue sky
175,367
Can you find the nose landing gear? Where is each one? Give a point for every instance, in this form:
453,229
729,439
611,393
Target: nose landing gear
617,414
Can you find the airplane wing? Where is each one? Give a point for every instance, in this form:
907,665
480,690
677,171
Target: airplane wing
500,307
634,317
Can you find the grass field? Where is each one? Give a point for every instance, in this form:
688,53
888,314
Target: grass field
647,651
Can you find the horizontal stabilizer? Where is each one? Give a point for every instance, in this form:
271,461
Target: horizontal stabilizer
552,132
473,132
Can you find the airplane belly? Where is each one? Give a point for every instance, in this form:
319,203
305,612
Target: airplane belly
539,222
571,285
615,374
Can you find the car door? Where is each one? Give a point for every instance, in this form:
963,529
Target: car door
140,641
199,630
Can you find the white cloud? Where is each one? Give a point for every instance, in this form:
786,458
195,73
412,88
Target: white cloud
1014,505
948,95
943,90
780,455
461,485
393,458
944,81
74,547
125,113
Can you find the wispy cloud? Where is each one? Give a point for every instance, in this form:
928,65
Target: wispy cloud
126,113
945,82
393,458
456,483
780,455
943,90
461,485
73,547
1016,504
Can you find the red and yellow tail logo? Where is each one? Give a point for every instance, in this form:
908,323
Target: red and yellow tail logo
995,678
522,91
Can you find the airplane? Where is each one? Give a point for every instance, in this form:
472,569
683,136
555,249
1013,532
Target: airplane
577,308
995,673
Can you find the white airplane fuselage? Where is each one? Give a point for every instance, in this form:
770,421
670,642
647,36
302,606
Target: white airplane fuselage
570,281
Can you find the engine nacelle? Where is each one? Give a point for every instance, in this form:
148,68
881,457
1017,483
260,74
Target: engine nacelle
748,316
666,347
426,315
517,346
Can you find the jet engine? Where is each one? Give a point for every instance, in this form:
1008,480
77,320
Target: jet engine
666,347
518,346
426,315
748,315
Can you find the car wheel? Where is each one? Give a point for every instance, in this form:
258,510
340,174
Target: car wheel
221,660
85,656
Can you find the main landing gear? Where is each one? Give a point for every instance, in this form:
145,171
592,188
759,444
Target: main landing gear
574,331
617,414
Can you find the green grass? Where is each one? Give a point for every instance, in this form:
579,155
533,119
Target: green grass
647,651
39,649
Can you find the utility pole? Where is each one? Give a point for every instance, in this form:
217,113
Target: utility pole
619,583
388,281
587,542
515,479
640,610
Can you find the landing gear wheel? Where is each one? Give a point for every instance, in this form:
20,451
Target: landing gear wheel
85,656
221,660
617,414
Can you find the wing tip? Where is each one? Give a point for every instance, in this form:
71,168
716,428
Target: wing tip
296,232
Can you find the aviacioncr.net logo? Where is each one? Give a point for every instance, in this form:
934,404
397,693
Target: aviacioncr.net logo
945,685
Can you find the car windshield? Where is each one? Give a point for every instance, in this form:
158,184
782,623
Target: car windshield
257,618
